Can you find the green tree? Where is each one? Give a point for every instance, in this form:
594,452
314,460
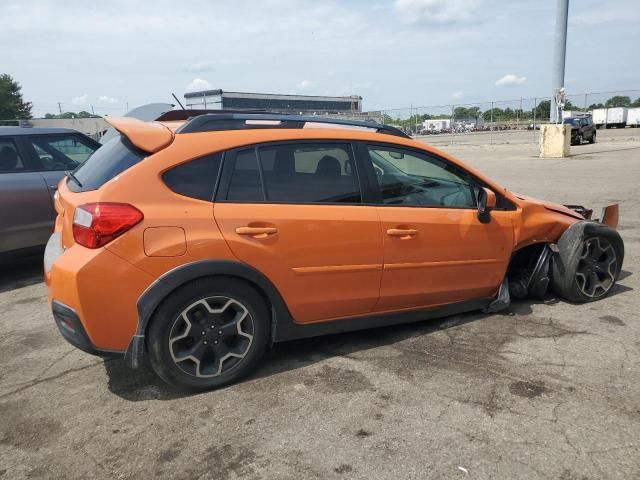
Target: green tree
466,113
85,114
12,106
636,103
618,101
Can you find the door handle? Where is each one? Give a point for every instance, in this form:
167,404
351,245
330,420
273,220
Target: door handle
401,232
259,232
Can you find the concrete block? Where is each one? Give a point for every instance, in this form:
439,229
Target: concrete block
555,141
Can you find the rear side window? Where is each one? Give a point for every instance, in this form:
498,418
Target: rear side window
245,185
61,152
310,173
195,179
10,160
113,158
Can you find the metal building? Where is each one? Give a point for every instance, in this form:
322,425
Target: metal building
298,104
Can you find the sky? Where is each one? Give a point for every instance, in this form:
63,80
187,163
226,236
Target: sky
110,54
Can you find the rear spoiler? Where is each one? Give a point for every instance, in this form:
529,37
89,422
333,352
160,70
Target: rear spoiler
149,137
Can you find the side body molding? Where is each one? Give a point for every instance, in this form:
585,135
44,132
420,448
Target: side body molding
283,326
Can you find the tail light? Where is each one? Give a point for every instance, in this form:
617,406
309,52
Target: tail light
96,224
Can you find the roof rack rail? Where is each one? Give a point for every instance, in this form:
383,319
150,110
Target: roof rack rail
247,121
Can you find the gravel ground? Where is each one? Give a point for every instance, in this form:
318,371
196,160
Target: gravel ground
544,390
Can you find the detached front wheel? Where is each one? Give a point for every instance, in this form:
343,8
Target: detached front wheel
588,262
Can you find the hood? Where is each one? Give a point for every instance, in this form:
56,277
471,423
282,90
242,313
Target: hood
554,207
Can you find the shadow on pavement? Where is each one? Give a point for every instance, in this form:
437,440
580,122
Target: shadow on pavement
18,272
144,384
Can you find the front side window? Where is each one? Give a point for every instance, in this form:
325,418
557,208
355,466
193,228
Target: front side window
10,160
406,177
310,173
65,152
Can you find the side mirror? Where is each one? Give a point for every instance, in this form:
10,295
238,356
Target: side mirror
486,203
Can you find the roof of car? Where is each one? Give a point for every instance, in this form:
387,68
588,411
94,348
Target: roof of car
13,131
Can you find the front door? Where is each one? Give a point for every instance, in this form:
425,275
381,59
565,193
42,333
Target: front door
436,250
294,212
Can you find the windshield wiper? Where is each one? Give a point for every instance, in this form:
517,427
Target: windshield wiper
73,177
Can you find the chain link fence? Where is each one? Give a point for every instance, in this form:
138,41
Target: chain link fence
498,119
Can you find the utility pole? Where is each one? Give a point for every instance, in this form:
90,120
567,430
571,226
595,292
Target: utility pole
92,112
60,108
559,56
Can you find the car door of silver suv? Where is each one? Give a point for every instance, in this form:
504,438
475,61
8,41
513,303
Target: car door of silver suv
26,211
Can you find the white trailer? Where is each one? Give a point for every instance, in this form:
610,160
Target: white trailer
599,116
617,117
633,117
436,125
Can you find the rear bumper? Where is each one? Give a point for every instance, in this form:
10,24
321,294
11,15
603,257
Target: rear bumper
72,331
93,294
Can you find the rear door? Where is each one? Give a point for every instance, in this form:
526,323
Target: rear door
26,211
436,250
294,212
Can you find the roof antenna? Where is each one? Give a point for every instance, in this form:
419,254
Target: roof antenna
174,96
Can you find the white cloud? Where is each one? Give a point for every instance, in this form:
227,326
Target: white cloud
106,99
81,100
198,84
510,80
438,12
307,84
457,94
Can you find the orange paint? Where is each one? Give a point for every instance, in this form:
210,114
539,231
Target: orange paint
326,261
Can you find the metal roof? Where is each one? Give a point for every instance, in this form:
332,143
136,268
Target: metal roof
13,131
275,96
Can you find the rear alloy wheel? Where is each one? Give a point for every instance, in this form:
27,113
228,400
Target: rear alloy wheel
208,333
593,137
579,139
597,268
211,336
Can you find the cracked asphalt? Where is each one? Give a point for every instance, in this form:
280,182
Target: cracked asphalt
545,390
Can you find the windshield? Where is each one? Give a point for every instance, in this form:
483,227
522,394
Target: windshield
572,121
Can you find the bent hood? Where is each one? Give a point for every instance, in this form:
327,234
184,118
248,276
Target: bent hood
554,207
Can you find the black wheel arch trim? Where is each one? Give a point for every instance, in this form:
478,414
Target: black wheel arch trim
151,298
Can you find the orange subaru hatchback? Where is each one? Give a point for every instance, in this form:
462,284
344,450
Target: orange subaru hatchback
199,243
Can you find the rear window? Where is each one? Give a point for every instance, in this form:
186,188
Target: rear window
195,179
113,158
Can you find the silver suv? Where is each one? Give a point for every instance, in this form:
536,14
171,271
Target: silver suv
32,162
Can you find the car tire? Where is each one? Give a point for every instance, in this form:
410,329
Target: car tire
208,333
588,262
593,137
579,139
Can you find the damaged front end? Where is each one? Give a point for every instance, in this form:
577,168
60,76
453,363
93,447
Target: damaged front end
530,270
609,215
